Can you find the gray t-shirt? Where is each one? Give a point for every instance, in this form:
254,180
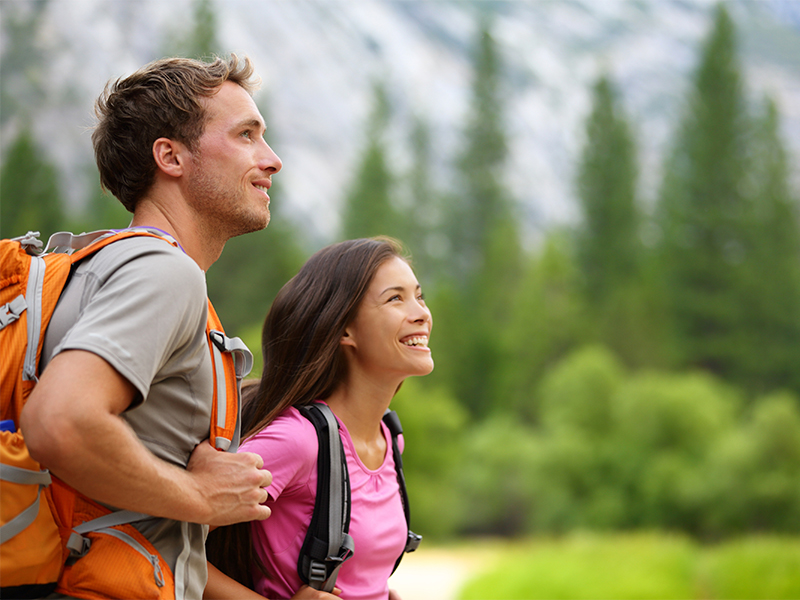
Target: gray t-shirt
140,304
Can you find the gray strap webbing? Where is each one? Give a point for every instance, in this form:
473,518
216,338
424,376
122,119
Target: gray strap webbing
27,516
21,521
179,574
242,357
78,545
24,476
12,311
33,298
120,517
65,241
30,241
350,545
243,364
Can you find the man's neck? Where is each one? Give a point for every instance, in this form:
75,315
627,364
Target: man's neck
203,247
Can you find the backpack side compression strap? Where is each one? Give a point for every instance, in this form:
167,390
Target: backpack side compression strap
327,544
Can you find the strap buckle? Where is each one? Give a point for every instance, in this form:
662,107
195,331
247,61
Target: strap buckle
413,541
78,545
317,573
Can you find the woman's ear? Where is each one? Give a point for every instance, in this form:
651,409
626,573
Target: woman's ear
347,339
169,156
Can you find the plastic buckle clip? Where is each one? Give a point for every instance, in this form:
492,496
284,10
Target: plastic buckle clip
78,545
317,572
413,541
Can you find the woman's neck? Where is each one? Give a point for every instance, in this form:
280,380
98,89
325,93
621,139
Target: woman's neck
360,406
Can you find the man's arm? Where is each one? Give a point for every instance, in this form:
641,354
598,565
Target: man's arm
72,426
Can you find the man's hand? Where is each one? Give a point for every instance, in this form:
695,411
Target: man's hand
231,484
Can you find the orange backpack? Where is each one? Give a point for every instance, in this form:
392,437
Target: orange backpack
51,536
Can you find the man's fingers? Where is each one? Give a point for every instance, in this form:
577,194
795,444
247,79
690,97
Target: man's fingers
266,478
256,458
263,513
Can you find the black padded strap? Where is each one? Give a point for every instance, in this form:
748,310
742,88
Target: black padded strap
413,540
327,544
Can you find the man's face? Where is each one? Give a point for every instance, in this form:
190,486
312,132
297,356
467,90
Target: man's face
232,166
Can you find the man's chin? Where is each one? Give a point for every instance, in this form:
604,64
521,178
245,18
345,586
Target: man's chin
253,225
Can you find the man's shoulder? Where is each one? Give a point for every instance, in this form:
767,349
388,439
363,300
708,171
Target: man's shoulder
143,246
147,258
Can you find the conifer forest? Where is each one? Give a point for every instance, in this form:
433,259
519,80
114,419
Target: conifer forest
637,368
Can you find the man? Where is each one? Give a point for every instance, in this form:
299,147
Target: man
122,409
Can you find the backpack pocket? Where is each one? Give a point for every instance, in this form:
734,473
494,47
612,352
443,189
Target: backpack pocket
30,548
105,560
118,562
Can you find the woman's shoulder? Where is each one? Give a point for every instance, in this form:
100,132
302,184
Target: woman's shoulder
291,432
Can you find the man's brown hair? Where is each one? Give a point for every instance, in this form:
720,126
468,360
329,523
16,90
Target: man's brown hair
162,99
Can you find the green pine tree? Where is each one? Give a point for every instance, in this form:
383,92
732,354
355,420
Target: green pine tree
486,260
368,207
482,201
730,233
421,213
609,249
29,191
550,319
22,68
608,240
704,214
771,324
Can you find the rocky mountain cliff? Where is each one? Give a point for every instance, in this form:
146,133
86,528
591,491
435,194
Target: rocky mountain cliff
319,59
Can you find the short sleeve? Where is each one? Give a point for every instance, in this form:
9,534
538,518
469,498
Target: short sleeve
141,304
289,449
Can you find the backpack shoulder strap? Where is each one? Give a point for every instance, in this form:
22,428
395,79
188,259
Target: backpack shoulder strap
231,361
327,544
392,421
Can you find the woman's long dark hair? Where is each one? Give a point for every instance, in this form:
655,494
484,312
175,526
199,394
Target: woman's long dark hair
303,360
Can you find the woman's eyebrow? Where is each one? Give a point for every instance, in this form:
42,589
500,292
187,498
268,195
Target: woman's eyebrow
398,288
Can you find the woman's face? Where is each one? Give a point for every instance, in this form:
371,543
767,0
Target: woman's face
389,336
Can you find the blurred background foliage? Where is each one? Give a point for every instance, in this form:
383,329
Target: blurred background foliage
638,370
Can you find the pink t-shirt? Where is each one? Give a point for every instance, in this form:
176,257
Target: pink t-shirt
377,523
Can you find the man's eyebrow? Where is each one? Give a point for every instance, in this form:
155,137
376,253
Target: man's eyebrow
258,124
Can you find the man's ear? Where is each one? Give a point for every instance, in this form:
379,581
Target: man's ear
170,156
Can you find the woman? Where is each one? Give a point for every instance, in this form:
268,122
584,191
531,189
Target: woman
346,331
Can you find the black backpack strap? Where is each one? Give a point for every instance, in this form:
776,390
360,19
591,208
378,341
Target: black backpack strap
327,544
392,421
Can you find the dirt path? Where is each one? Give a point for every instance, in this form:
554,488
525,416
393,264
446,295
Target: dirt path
436,573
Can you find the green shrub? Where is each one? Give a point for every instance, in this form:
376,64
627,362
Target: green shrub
753,568
433,428
584,566
640,566
496,477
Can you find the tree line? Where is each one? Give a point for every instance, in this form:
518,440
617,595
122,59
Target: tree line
636,369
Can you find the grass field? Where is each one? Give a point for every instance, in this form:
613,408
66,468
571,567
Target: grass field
641,566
